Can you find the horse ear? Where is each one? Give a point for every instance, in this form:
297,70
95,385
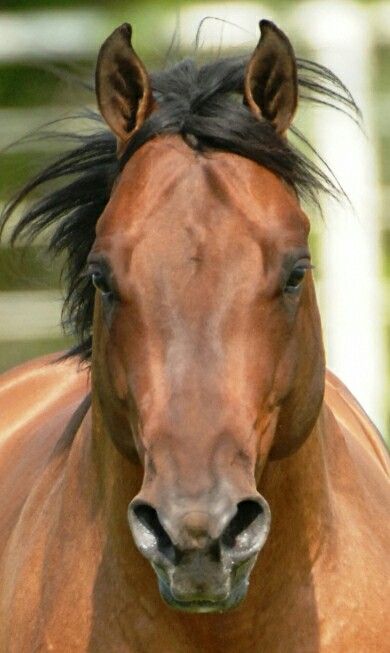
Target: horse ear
271,82
122,86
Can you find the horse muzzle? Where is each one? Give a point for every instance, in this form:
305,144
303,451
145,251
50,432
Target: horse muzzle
203,562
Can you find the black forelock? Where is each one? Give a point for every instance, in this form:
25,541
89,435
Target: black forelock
203,104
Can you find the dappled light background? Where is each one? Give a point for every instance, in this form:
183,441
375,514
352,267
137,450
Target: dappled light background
47,53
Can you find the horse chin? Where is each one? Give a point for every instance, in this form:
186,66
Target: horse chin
200,605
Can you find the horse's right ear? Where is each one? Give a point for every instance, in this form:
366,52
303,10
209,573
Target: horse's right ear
122,86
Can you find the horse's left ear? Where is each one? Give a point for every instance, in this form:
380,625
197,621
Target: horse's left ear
271,82
122,86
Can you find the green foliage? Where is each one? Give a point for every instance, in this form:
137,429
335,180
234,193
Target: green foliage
16,352
50,4
25,86
27,268
16,167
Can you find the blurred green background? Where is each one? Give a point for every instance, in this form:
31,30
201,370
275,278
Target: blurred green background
40,39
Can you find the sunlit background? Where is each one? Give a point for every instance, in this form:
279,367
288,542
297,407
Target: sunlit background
40,39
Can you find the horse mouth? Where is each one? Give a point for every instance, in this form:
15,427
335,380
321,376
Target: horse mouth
203,605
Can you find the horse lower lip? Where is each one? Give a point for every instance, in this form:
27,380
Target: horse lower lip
202,605
196,598
197,606
200,600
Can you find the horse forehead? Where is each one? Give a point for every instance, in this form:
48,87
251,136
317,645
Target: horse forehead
166,183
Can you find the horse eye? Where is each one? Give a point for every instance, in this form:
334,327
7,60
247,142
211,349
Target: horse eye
295,279
100,282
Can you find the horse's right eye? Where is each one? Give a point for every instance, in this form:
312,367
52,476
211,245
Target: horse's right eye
100,282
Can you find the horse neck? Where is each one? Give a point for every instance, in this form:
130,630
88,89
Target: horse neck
98,483
299,491
117,479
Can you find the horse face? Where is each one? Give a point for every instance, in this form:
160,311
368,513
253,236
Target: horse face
206,356
207,352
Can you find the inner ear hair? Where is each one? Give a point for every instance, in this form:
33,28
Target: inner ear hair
271,80
122,85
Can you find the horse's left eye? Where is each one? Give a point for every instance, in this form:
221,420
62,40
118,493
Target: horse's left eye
100,282
295,279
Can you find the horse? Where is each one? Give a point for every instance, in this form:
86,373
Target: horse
139,471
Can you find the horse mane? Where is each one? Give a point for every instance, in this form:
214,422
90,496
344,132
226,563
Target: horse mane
204,105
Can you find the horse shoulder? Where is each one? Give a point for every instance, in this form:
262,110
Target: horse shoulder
37,400
358,466
356,423
357,562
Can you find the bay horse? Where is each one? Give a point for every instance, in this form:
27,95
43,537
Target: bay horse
137,488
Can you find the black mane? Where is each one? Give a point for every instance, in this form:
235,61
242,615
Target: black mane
204,105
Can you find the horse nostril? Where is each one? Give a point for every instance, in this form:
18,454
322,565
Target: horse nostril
148,518
249,526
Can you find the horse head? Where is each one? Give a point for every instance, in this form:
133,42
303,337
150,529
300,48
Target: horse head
207,350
